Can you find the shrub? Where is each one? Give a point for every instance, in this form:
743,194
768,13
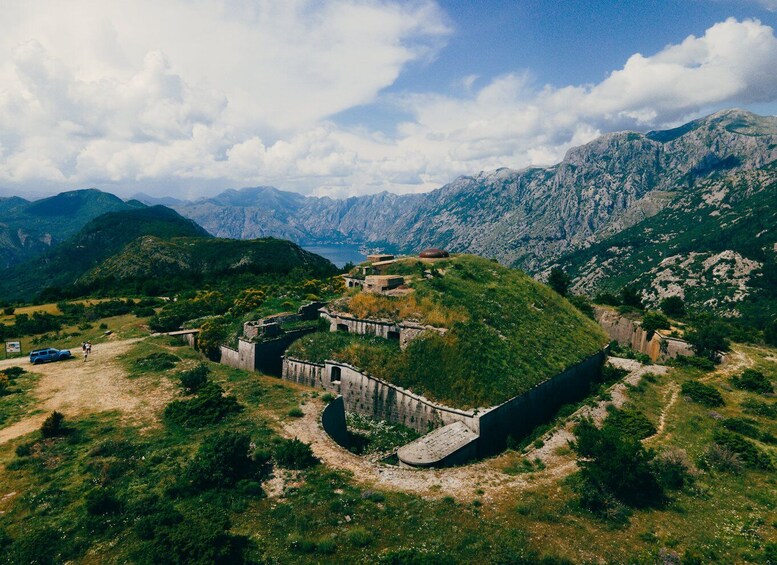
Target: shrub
223,459
101,501
630,296
208,407
328,397
559,281
754,381
294,454
653,321
359,537
708,340
607,298
24,449
743,426
747,451
696,362
583,304
673,306
13,372
156,362
759,408
194,379
144,312
213,332
673,468
296,412
703,394
53,425
631,423
614,464
721,458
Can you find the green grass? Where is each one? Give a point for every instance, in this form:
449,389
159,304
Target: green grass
507,334
17,404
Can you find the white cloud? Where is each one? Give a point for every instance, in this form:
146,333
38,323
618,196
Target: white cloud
236,93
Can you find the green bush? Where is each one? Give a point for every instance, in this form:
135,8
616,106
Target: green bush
223,460
702,363
753,381
673,306
747,451
296,412
359,537
759,408
614,464
673,468
631,423
53,425
708,339
208,407
101,501
653,321
705,395
294,454
156,362
194,379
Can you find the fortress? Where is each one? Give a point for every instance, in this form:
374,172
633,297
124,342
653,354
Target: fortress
452,433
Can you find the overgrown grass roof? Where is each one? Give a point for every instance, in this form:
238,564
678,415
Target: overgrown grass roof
508,333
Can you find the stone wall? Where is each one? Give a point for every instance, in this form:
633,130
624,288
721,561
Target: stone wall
629,332
244,357
404,332
305,373
519,415
381,400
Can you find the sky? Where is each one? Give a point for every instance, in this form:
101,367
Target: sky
187,98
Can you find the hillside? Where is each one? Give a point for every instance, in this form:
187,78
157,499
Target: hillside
96,241
714,245
523,218
152,257
507,333
29,228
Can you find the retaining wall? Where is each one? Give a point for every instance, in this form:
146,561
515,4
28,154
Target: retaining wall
519,415
629,332
333,422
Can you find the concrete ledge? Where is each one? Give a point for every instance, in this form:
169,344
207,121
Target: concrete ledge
449,445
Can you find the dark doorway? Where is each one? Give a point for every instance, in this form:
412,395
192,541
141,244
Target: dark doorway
335,374
393,336
342,328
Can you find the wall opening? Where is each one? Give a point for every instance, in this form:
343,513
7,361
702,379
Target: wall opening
342,328
393,335
335,374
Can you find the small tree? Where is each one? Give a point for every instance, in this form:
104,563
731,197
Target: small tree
708,340
754,381
53,425
653,321
630,296
559,281
614,464
213,332
673,306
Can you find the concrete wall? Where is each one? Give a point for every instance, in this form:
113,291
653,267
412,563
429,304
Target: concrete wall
405,332
333,422
519,415
306,373
629,332
244,357
381,400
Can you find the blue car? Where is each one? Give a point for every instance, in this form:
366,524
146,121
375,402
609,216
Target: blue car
45,355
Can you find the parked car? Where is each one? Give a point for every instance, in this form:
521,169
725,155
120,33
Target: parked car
50,354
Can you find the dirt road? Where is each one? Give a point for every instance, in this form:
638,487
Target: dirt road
100,384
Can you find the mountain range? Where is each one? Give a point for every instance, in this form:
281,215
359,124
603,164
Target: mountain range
525,218
688,211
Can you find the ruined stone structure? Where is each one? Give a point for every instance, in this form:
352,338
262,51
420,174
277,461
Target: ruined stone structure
659,347
265,341
403,332
382,283
379,258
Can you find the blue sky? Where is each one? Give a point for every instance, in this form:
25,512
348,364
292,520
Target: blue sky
344,97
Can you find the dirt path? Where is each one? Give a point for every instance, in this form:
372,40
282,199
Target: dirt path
673,392
485,479
100,384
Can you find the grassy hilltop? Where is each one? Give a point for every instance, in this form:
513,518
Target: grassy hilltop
507,333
